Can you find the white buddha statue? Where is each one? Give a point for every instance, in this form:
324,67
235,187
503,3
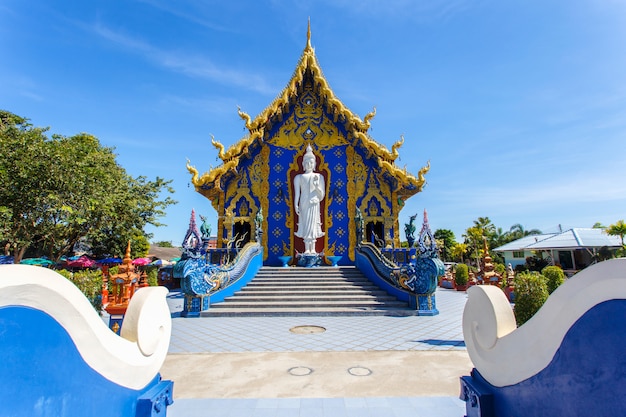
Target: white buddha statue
308,193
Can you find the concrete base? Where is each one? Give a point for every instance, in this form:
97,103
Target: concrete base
316,374
194,305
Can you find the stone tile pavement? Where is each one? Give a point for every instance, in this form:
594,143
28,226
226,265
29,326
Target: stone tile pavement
276,370
343,333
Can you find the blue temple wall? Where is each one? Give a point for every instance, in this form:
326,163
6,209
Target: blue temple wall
280,221
43,374
337,219
308,122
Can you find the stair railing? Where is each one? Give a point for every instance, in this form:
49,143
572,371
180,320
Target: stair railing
414,282
202,280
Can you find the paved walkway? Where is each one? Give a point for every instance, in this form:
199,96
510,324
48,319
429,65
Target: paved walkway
318,365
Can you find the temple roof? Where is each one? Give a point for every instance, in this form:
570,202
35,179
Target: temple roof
208,184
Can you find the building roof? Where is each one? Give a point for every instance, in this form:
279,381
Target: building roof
208,184
164,253
576,238
522,244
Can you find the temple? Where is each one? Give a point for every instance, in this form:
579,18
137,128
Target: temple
256,178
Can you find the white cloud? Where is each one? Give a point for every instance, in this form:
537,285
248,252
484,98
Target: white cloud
194,66
199,17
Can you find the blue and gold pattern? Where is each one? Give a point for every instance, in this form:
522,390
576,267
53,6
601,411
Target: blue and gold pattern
358,171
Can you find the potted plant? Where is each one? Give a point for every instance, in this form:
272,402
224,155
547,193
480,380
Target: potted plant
461,276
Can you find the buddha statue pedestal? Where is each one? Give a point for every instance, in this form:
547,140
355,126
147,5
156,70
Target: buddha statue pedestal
309,260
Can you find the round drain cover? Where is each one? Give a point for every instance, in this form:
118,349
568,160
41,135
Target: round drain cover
307,329
300,371
359,371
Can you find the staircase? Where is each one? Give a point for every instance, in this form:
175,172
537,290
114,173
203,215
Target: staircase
326,291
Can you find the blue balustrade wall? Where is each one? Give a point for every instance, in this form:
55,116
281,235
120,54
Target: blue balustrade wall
587,376
377,271
43,374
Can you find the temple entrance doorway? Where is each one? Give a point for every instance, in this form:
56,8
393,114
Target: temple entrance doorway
375,233
241,232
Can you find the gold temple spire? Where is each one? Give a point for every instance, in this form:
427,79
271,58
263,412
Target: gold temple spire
308,36
127,259
209,183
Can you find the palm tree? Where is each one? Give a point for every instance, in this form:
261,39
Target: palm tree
617,229
473,239
500,238
485,225
519,229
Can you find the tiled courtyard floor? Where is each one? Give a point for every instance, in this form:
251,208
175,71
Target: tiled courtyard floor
365,366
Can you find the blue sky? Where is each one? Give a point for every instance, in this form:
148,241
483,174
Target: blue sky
520,106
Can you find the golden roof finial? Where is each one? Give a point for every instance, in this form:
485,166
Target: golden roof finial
127,259
308,36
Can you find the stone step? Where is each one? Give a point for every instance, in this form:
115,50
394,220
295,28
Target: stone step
309,291
299,312
322,271
307,278
318,311
308,284
254,292
308,303
263,299
299,277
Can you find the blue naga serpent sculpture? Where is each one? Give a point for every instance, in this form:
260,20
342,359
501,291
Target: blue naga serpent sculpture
200,278
418,277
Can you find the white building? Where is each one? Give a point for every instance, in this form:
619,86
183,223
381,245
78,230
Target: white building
572,249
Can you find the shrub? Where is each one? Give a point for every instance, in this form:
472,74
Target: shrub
554,277
531,292
152,277
461,275
535,263
89,282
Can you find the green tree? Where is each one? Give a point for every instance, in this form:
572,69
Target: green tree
500,238
617,229
486,227
458,252
164,244
531,292
483,227
23,173
448,240
517,231
55,192
474,240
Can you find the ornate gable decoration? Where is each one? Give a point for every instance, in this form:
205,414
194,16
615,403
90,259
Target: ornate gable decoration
301,95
